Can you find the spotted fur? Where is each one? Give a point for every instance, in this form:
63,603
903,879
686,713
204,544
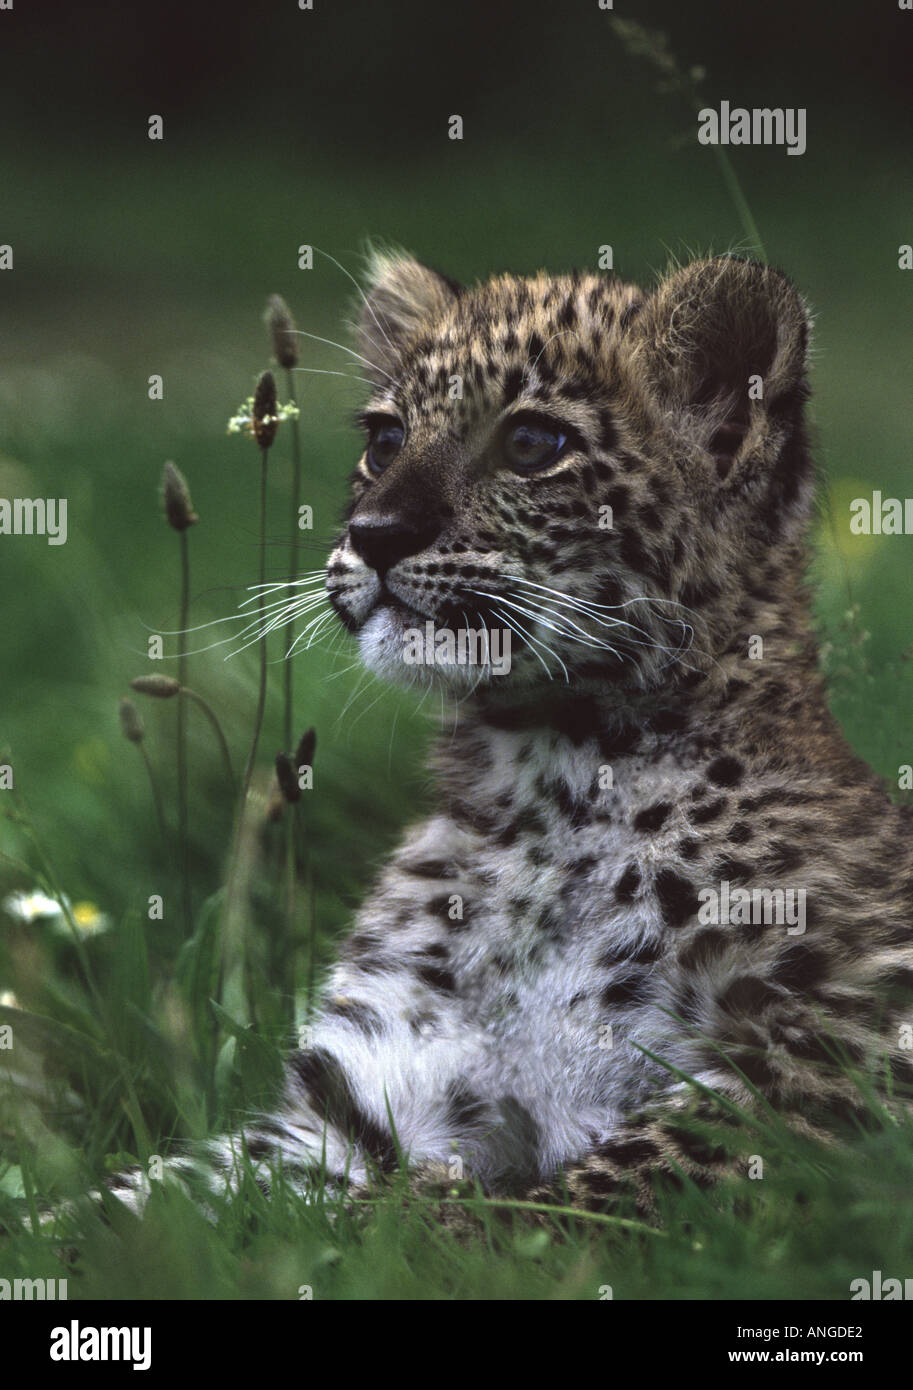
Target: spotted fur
529,985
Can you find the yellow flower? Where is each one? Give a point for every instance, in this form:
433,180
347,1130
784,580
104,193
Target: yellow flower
37,906
89,919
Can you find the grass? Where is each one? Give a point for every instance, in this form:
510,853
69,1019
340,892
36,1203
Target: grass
813,1224
118,1046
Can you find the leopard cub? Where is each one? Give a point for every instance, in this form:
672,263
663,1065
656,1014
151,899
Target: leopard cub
655,872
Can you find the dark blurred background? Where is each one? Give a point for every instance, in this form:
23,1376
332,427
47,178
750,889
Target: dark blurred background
283,127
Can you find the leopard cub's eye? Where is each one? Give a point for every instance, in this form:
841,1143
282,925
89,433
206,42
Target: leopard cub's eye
384,443
532,443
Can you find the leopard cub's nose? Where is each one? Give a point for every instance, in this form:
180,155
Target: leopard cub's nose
382,540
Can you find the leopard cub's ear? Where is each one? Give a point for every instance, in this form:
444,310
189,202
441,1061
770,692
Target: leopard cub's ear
402,297
722,347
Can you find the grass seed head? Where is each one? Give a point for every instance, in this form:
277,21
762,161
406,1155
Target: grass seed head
304,753
161,687
266,410
176,498
286,777
130,721
281,327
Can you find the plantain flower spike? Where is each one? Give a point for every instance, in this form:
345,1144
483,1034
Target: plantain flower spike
130,721
161,687
287,778
176,498
266,411
281,327
304,754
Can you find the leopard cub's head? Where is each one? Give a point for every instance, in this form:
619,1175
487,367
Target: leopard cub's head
567,479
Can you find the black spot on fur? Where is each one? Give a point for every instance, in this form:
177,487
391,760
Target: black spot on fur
361,1016
440,905
812,1047
800,967
430,868
325,1085
732,870
688,1004
567,314
513,381
628,884
653,817
780,797
423,1023
669,721
697,595
619,742
618,499
747,996
757,1068
677,897
702,815
783,858
609,592
360,950
696,1147
257,1146
437,978
644,954
634,554
708,945
608,435
627,1153
464,1108
627,989
600,1183
898,981
550,922
577,812
629,314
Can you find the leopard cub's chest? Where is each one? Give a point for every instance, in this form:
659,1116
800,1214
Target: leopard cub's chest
560,976
566,955
565,872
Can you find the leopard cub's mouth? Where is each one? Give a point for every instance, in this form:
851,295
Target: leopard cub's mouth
355,603
410,637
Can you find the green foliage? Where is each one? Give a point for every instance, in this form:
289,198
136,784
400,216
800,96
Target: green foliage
815,1221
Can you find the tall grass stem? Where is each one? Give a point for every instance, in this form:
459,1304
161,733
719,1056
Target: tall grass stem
216,728
261,692
183,818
